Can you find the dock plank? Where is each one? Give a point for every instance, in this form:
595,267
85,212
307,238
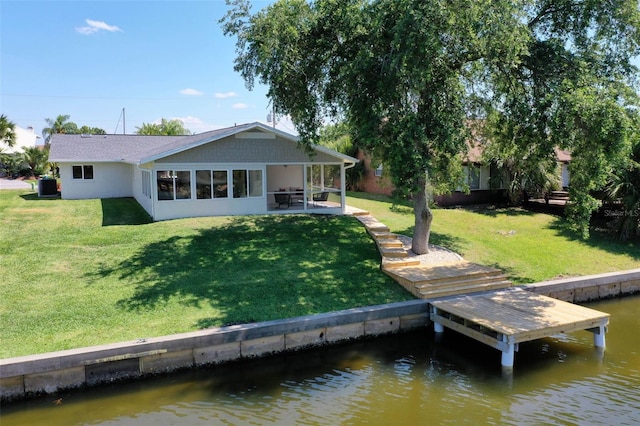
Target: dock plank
521,315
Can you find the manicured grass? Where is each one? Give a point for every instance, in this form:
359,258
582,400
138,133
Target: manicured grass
79,273
530,247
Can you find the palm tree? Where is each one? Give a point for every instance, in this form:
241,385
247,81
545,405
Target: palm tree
149,129
60,125
36,158
7,131
166,127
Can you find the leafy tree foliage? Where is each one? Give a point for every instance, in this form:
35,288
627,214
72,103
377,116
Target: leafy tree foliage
165,127
407,75
573,88
7,131
624,186
338,137
86,130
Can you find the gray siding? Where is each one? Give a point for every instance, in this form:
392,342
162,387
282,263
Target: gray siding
232,150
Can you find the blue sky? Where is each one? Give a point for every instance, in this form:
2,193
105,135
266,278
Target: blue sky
90,59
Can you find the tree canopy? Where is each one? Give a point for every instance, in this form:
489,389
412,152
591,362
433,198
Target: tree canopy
410,75
61,124
166,127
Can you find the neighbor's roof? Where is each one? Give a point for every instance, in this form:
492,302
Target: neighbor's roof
137,149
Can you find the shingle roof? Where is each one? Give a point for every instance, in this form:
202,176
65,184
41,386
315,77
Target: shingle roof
136,148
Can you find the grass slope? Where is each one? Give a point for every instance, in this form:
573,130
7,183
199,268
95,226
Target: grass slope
87,272
73,274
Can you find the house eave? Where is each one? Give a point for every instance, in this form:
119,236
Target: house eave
230,132
92,161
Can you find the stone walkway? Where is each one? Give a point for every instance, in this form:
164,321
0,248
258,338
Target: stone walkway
438,273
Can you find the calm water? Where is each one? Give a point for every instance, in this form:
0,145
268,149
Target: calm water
407,380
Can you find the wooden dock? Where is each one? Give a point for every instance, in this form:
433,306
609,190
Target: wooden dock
479,301
504,318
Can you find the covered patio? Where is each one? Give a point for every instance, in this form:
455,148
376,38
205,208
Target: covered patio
305,187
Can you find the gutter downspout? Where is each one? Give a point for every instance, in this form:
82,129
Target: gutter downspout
343,185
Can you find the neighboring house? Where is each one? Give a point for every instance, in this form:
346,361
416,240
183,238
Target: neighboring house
246,169
25,138
486,183
373,180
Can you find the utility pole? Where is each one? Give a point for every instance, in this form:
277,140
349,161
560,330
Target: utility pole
124,132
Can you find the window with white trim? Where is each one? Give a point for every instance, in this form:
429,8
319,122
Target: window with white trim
211,184
173,184
473,177
247,183
82,172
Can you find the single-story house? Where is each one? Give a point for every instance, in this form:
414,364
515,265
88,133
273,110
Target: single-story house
245,169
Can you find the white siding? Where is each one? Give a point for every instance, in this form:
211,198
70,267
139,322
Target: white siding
142,199
110,180
174,209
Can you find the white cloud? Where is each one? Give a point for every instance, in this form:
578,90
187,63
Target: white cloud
196,125
95,26
191,92
239,105
226,95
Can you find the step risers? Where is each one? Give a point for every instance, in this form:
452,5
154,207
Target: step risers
382,235
393,252
462,280
445,273
463,290
425,283
377,228
398,263
389,243
360,213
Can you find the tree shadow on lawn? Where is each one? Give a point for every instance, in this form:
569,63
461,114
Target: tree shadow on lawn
259,268
493,210
447,241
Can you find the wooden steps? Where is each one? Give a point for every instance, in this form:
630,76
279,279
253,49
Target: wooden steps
432,281
427,281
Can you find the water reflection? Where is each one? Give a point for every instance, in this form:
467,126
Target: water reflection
409,379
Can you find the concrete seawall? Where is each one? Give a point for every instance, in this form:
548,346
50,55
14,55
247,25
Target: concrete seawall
26,376
589,288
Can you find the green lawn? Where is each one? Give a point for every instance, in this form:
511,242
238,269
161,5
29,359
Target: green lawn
530,247
78,273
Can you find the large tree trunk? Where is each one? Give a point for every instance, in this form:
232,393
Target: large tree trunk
423,216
